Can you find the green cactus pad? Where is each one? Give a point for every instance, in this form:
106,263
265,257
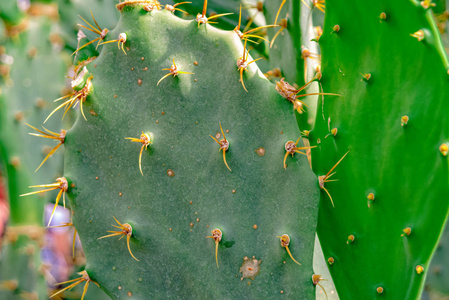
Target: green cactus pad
186,190
36,77
393,117
28,99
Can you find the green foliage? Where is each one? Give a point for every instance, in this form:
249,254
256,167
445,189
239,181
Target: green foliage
386,77
228,22
187,190
285,52
20,266
27,98
71,12
287,44
11,13
30,61
386,138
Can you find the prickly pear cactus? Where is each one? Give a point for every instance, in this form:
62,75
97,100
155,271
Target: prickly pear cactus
285,40
206,212
97,14
292,55
245,17
230,7
30,60
390,199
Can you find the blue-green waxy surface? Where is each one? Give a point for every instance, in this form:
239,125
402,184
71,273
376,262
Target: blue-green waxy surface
172,215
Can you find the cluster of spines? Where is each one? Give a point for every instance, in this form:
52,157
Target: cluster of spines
322,179
82,85
80,95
